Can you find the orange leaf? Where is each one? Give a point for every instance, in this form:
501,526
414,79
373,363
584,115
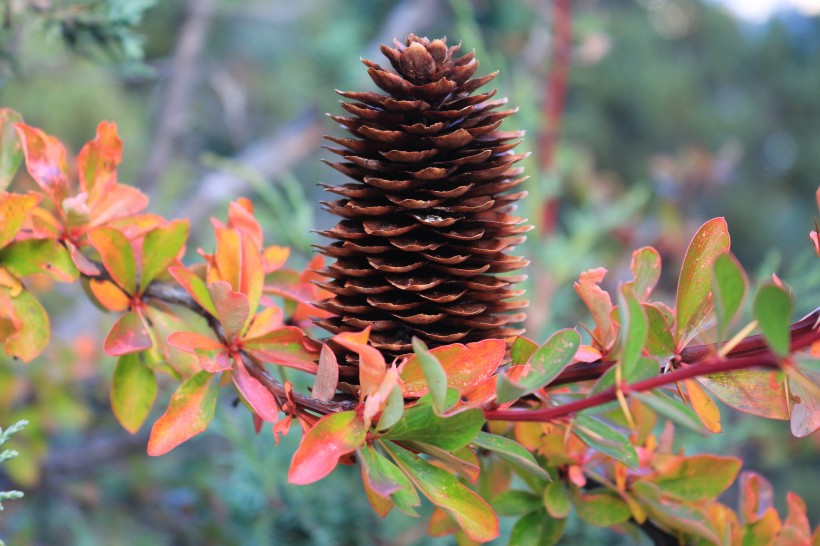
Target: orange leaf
45,162
232,308
372,367
98,160
332,437
259,398
190,341
109,295
283,347
189,413
118,202
274,257
466,366
703,406
265,321
240,217
599,303
128,335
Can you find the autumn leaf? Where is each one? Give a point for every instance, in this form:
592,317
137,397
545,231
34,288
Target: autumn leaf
128,335
466,366
189,413
45,162
97,161
372,367
258,397
694,300
29,325
332,437
646,270
14,208
11,152
599,304
117,256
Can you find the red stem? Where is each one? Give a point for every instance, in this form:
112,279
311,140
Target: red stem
804,334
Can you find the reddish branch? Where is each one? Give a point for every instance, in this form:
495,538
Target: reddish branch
752,353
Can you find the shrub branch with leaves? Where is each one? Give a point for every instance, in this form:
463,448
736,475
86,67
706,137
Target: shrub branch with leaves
577,419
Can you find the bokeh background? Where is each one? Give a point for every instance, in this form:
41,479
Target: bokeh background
675,111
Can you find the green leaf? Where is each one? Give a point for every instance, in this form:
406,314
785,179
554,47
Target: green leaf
773,311
133,390
521,351
693,302
334,435
189,413
421,424
646,270
392,411
128,335
515,503
433,373
471,512
642,369
686,518
160,248
24,258
556,499
672,409
512,452
659,340
698,477
633,327
194,286
545,365
537,529
11,152
117,256
388,481
602,437
30,328
600,507
729,286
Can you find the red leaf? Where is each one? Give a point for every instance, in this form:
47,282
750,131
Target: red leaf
259,398
466,366
332,437
189,413
190,341
599,304
45,162
128,335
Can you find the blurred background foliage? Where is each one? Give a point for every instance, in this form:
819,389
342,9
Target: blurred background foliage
676,111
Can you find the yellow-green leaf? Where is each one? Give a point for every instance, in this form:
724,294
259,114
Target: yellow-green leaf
189,413
133,390
159,249
117,256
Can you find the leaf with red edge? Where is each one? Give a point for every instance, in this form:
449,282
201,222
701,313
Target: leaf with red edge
98,160
759,392
163,324
212,355
24,325
283,347
258,397
86,266
14,208
327,375
45,161
466,366
109,295
194,286
332,437
372,367
694,300
128,335
160,248
232,308
646,270
238,262
796,529
473,514
756,496
11,152
703,406
189,413
133,390
687,518
377,401
599,304
117,256
387,481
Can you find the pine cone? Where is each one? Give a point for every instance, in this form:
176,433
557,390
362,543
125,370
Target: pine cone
426,222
